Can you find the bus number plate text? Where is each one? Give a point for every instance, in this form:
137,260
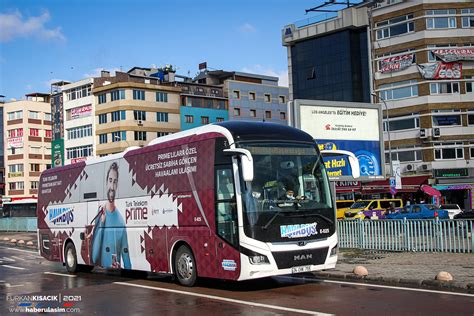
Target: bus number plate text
300,269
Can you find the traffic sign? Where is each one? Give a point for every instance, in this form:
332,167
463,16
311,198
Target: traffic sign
393,191
392,182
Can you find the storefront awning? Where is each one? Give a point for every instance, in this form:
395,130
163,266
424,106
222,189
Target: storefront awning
409,184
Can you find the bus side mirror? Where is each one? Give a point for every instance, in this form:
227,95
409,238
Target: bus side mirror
353,161
246,160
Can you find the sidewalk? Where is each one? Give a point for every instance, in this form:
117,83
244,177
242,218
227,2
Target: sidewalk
406,269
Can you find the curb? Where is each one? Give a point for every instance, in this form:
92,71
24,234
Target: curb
16,245
451,286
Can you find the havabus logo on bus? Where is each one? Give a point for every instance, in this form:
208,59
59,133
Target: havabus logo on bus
298,231
61,215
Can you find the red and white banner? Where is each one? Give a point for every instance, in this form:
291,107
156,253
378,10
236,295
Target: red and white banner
15,142
82,111
440,70
396,63
76,160
454,54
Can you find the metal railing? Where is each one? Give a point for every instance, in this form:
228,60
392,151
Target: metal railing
426,235
18,224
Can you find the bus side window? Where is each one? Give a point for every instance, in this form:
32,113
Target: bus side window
226,209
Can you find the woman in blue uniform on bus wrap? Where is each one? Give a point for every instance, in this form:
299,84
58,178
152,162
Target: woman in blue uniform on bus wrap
110,244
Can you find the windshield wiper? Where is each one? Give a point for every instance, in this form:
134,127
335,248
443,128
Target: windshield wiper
278,211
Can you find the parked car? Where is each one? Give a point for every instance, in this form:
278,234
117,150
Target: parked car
371,209
465,215
419,211
342,206
453,209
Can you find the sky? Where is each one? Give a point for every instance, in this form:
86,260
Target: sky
52,40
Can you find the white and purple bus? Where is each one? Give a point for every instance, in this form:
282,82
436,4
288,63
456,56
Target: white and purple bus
233,200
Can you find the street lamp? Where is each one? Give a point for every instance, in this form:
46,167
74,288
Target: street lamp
388,133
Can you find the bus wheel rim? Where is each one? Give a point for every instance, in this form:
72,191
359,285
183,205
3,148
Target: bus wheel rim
70,258
185,266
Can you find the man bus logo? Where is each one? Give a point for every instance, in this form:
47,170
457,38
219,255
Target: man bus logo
302,257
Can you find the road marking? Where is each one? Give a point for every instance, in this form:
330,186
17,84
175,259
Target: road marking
6,284
18,258
62,274
383,286
22,250
230,300
11,267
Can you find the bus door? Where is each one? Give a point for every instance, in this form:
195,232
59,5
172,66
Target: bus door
226,218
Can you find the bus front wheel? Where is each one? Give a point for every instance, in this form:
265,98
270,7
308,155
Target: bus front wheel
185,266
70,258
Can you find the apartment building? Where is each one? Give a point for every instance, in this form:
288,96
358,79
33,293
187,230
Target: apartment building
28,144
423,66
133,108
250,96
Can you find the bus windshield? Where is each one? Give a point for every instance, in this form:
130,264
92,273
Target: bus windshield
289,178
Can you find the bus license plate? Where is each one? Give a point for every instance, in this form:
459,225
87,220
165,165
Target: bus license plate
300,269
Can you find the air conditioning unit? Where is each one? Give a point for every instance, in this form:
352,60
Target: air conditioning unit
140,123
410,167
436,132
423,133
424,167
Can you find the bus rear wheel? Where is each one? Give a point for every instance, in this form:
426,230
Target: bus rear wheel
185,266
70,258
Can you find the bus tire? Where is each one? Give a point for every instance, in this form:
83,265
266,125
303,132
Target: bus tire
70,258
185,266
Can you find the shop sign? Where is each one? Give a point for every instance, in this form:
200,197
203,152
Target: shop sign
451,173
396,63
82,111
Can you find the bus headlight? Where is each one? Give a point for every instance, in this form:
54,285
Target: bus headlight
259,259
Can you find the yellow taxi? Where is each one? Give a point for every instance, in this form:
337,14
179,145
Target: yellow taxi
342,206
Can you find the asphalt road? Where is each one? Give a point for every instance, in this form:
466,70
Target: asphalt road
28,281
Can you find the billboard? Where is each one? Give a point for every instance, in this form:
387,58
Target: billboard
355,127
57,154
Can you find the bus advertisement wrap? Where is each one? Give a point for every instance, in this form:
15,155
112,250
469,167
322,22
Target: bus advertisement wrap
354,127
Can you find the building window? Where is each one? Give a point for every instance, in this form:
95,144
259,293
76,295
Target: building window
102,138
15,115
252,96
79,92
34,167
15,151
442,19
282,116
189,119
267,98
48,133
398,124
444,87
282,99
47,116
139,115
34,132
204,119
396,26
15,168
471,149
405,154
34,115
16,185
119,136
161,97
17,132
138,95
236,94
140,135
34,185
118,115
469,83
102,98
399,90
431,55
117,95
236,112
103,118
159,134
79,132
268,114
446,119
161,117
79,152
219,119
446,151
253,113
467,21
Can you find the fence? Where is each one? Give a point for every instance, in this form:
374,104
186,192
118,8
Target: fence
18,224
429,235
